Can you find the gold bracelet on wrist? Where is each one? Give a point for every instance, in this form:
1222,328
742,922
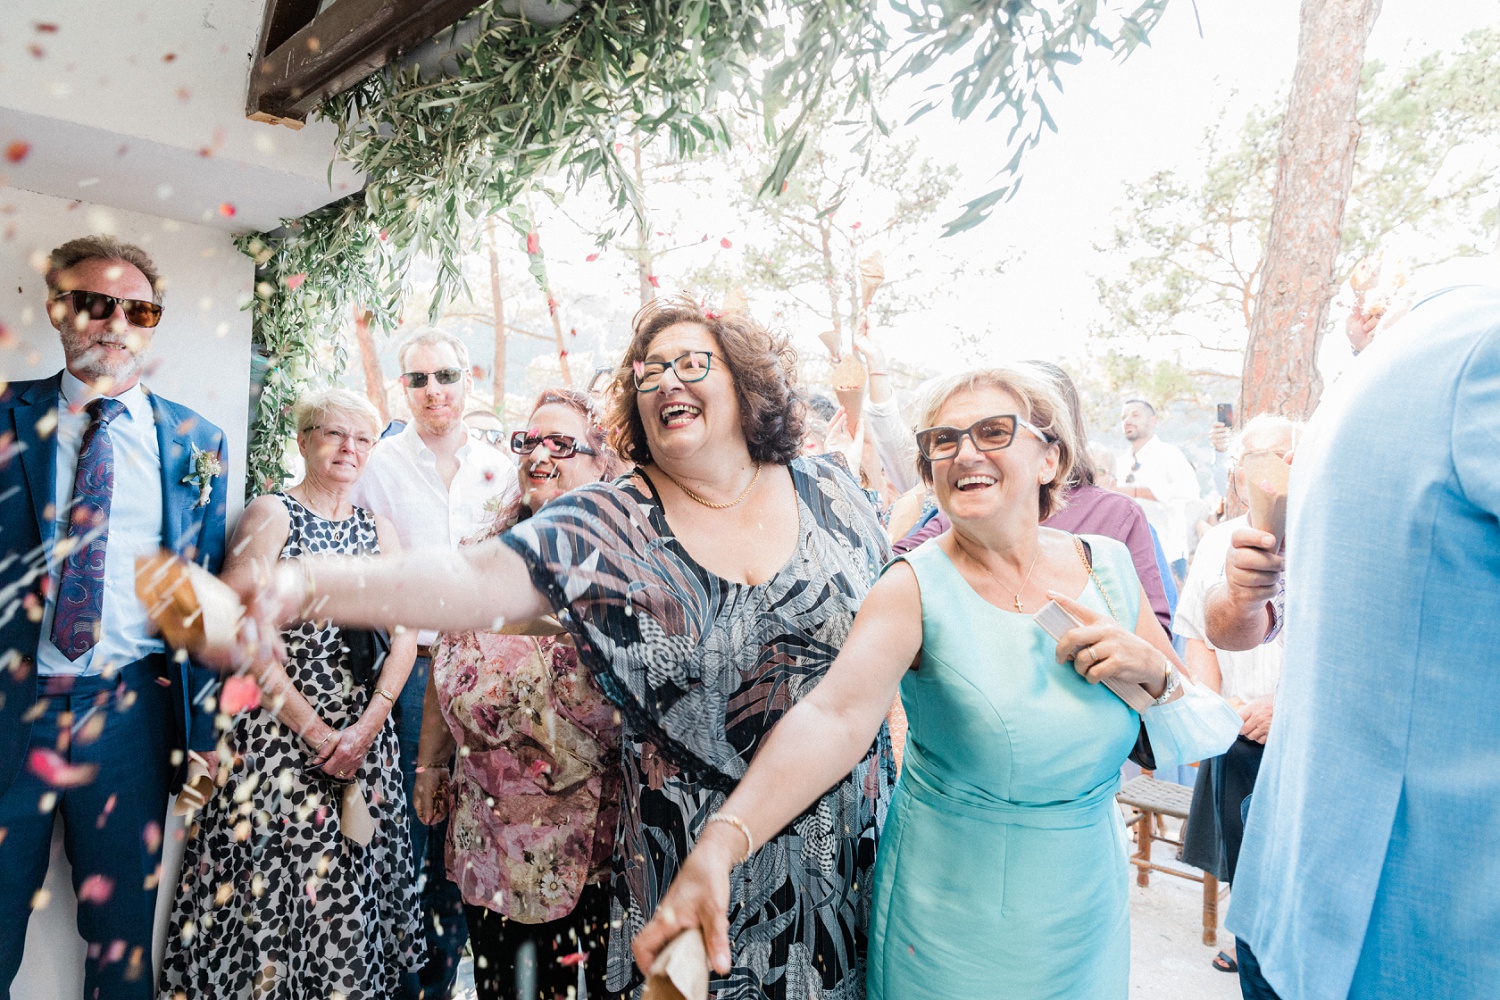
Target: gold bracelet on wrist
319,745
738,824
383,693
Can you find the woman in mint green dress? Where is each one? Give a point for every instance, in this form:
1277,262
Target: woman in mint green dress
1002,869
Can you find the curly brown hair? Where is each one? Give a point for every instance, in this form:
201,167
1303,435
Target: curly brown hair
763,366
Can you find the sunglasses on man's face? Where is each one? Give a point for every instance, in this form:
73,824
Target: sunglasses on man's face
97,305
444,376
989,434
557,445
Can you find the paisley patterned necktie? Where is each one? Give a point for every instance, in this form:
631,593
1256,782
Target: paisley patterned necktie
80,587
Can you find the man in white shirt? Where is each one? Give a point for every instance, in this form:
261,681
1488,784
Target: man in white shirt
433,481
1160,478
1246,678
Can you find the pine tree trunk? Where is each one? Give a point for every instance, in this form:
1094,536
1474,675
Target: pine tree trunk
497,378
370,362
1315,166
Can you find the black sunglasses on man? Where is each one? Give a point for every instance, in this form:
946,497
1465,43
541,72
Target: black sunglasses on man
97,305
444,376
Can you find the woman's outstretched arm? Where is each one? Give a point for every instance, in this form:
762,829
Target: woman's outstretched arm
477,588
815,745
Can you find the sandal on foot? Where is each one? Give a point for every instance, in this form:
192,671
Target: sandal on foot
1224,963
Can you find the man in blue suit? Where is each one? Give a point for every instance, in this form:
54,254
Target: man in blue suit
96,717
1371,855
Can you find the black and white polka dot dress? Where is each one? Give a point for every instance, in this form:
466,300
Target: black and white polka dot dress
274,902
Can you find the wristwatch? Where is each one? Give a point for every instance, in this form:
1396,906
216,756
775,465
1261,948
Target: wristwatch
1174,681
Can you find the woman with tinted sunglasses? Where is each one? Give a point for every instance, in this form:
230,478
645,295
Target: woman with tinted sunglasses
1002,868
533,800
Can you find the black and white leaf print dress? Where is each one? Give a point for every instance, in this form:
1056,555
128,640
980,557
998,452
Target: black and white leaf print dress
274,902
702,668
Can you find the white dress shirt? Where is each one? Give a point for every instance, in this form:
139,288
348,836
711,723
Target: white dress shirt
135,521
1247,675
401,482
1166,472
895,443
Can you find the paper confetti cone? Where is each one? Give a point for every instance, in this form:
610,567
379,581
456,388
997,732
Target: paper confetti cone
193,609
680,972
1267,474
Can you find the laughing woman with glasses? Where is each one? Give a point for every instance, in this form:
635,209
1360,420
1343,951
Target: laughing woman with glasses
1002,871
533,800
707,592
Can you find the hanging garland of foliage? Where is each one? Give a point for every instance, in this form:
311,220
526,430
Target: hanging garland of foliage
529,100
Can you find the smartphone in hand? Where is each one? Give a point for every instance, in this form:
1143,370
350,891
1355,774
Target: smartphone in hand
1225,414
1056,622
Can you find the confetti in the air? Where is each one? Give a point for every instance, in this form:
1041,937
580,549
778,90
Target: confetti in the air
50,766
17,151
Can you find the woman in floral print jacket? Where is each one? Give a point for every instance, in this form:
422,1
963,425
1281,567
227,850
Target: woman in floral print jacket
533,798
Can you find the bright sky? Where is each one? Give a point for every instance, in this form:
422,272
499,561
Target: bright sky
1118,122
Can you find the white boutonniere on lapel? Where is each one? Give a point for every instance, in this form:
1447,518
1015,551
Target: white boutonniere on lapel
206,467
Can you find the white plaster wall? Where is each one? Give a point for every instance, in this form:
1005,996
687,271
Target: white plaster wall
200,357
142,104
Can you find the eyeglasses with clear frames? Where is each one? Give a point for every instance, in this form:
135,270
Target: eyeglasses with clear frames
339,436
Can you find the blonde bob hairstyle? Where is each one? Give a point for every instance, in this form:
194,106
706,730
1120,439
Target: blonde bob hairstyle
313,408
1042,403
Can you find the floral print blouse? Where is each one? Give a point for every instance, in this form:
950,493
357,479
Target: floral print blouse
536,787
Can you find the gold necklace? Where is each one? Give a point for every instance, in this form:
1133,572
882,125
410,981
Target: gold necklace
1026,579
710,503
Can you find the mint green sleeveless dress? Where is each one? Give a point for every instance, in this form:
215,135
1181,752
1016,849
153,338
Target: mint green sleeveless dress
1002,869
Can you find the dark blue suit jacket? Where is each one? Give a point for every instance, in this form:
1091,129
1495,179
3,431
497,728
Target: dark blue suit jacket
28,474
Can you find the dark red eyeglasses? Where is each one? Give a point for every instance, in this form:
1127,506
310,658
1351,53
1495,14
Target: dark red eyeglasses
559,445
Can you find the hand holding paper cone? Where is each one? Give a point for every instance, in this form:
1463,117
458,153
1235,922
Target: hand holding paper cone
680,972
1267,474
194,610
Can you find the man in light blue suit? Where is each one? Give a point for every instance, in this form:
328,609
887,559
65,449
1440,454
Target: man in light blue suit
96,717
1371,859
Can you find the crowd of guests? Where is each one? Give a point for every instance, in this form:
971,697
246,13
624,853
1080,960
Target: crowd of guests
633,670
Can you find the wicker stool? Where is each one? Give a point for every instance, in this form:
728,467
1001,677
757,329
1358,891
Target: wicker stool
1150,800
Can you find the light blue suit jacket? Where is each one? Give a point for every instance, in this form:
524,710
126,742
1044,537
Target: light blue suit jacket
1371,859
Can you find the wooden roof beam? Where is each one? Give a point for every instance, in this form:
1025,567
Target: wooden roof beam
302,60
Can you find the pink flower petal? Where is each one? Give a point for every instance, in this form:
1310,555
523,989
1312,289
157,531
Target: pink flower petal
96,889
51,768
240,694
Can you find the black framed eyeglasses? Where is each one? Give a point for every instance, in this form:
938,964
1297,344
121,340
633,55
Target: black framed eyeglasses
690,367
989,434
97,305
557,445
444,376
